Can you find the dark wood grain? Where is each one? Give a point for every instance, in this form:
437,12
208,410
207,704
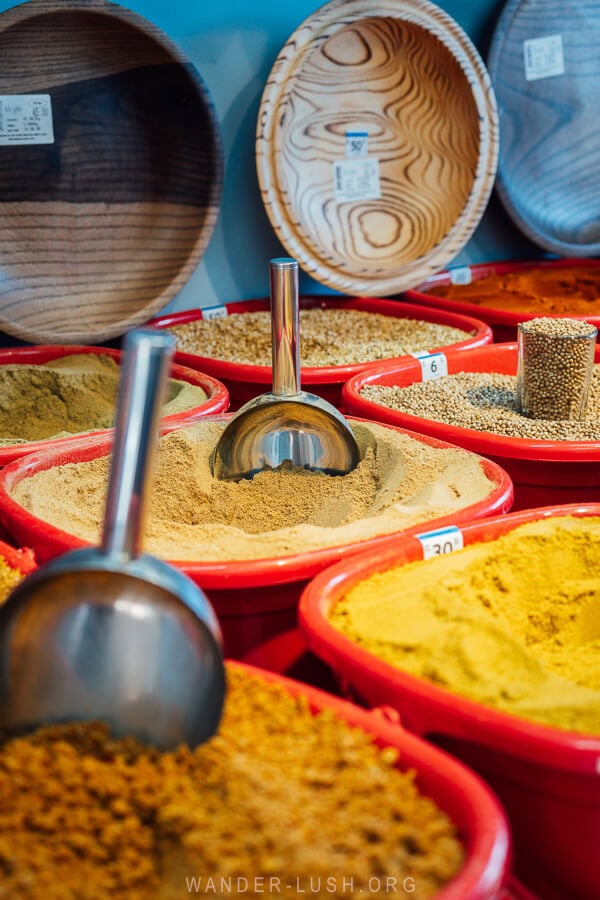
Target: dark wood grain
410,78
549,165
101,228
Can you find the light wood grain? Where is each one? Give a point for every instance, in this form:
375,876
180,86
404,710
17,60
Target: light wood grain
100,229
549,165
412,80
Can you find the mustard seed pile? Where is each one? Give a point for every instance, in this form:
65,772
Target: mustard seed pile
278,797
555,365
398,483
328,337
69,395
486,401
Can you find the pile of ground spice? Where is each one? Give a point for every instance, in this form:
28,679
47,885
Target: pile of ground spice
513,623
282,799
398,483
328,337
9,579
486,401
70,395
544,291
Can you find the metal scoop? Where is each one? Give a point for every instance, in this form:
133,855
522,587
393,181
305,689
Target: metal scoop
107,634
286,424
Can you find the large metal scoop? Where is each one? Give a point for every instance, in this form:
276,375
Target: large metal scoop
107,634
286,424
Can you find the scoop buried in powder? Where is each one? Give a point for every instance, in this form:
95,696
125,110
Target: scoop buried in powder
287,424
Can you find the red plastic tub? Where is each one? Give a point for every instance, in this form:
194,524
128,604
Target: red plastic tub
217,396
543,472
245,382
547,779
255,600
503,321
456,790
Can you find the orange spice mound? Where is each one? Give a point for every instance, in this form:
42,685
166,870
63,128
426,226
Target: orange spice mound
545,291
277,797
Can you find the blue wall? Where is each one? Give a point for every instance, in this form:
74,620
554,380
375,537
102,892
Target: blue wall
233,44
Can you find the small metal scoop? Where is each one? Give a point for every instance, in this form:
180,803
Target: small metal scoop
286,424
107,634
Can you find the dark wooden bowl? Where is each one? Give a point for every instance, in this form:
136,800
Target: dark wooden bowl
103,221
379,217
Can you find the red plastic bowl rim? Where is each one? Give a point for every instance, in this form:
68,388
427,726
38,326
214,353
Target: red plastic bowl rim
482,334
540,743
217,394
235,573
484,442
488,847
493,313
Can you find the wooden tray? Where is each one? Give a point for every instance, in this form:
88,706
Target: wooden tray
102,222
545,66
377,143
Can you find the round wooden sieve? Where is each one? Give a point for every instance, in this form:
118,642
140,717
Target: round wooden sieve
110,170
377,143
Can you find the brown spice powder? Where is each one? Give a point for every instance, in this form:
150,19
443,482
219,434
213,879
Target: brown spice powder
278,793
70,395
398,483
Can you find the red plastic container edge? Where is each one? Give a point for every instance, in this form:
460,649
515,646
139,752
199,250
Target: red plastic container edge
501,358
48,540
217,395
491,314
481,335
449,713
455,788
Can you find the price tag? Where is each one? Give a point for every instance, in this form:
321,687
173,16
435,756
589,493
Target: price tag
214,312
433,365
438,543
356,179
357,143
26,119
460,275
544,57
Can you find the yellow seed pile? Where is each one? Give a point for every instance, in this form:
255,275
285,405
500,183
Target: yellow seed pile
278,797
486,401
328,337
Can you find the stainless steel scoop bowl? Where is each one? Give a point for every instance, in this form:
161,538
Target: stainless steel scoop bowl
287,424
107,633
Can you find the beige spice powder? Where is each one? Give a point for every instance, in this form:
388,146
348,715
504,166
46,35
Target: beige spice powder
398,483
70,395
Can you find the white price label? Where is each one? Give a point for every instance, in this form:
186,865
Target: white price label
214,312
433,365
356,179
357,143
26,119
544,57
438,543
460,275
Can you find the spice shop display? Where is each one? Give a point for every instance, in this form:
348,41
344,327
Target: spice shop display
338,339
252,545
99,817
497,658
54,393
506,293
474,405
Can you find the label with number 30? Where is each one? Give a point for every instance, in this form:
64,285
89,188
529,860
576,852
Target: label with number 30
440,542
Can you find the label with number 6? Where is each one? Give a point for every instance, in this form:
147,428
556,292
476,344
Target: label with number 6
433,365
440,542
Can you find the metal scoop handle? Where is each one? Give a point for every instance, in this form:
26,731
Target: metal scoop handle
285,327
148,353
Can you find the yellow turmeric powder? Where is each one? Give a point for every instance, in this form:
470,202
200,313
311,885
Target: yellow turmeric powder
513,623
9,578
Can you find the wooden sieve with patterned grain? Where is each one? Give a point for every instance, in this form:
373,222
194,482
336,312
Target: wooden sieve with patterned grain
103,226
410,80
